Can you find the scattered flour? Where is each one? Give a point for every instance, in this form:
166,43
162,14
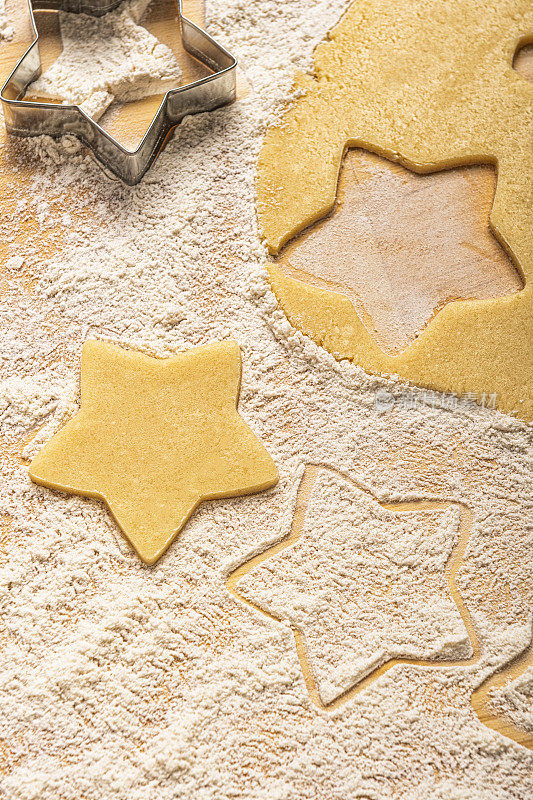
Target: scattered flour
118,680
6,29
107,58
516,700
364,585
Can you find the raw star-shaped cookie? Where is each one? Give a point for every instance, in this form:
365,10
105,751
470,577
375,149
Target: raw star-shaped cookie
154,437
363,585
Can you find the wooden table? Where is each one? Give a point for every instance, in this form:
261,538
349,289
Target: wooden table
471,278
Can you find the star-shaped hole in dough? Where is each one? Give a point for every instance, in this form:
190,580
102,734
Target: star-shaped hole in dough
105,59
154,438
363,586
401,246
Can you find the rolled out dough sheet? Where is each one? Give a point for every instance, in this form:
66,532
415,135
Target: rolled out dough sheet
431,85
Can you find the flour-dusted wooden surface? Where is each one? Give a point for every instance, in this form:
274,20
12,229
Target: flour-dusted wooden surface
393,302
402,245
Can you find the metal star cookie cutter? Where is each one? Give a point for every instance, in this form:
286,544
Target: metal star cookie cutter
31,118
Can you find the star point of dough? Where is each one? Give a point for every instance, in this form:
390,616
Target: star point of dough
154,438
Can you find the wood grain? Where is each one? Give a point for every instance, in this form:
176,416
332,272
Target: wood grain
402,245
129,122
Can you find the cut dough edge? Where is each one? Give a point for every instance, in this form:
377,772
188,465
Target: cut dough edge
480,347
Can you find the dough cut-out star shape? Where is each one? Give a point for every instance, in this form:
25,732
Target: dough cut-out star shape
154,438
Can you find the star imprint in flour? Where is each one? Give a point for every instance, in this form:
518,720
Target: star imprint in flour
363,584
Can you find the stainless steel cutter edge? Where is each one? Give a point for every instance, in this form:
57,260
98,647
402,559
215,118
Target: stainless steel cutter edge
28,118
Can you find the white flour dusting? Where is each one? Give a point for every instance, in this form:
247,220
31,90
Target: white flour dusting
364,585
516,700
107,58
6,28
118,680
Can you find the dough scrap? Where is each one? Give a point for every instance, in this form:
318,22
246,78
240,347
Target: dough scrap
429,85
154,437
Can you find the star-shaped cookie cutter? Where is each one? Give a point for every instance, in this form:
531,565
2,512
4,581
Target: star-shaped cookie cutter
32,118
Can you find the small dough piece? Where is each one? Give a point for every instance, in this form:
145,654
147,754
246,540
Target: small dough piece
430,85
154,437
